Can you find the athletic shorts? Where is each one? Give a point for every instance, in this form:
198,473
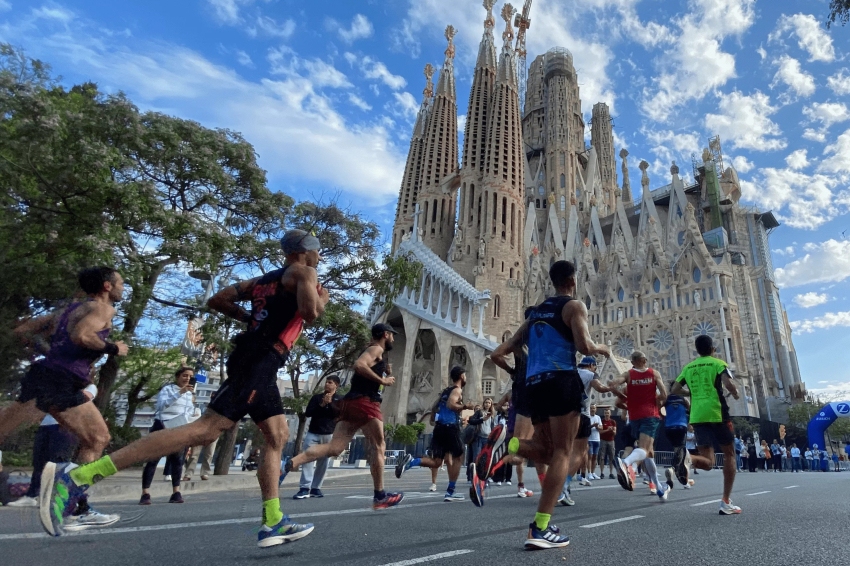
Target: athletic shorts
446,440
583,427
676,436
648,426
251,386
519,398
359,411
593,447
555,394
709,434
52,389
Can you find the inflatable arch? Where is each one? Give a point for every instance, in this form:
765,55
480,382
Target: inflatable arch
824,418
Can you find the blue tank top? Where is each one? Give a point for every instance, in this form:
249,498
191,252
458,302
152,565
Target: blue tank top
65,355
550,341
677,412
445,415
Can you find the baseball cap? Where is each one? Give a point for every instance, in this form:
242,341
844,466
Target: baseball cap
299,241
379,329
587,361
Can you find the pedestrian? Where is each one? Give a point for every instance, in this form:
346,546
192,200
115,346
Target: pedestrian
824,460
739,448
776,456
765,456
809,455
795,458
282,301
703,378
607,449
691,444
593,442
835,460
174,407
322,410
784,453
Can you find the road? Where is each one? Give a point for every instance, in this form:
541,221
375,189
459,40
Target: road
787,519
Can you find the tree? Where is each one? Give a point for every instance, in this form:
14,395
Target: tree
839,11
146,370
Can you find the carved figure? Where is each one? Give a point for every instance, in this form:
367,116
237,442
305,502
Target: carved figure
656,309
697,299
644,178
620,315
429,85
481,250
451,32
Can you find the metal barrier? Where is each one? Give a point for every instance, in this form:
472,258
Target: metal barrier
393,457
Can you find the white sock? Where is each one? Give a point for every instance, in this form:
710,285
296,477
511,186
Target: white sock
637,455
652,470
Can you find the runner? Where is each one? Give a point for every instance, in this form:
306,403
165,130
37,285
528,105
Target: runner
361,410
555,329
645,391
705,378
281,302
675,427
57,383
446,444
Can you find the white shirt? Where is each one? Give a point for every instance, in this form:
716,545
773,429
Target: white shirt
795,452
808,454
594,432
170,403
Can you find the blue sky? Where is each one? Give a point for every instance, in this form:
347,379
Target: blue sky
327,93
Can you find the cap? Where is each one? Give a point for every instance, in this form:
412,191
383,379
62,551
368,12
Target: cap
587,361
379,329
299,241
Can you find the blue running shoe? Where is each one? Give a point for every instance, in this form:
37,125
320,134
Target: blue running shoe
58,496
404,465
285,531
285,468
549,537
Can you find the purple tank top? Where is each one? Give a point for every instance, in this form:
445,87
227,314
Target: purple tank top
66,356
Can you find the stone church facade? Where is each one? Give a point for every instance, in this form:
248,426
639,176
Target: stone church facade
655,269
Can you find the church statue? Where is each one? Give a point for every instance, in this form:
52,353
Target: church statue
655,307
697,299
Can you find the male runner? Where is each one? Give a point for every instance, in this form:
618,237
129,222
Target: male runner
281,302
607,434
676,426
705,378
446,443
645,391
556,328
56,384
361,410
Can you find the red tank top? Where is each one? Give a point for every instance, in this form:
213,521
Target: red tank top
641,393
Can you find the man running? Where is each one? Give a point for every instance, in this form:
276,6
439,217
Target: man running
57,383
446,443
645,391
705,378
555,329
361,410
282,301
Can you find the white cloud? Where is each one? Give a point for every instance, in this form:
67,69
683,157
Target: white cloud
376,70
826,262
5,6
810,36
839,82
53,12
744,121
227,11
360,28
829,320
244,59
284,61
762,52
790,73
838,160
266,26
461,123
814,135
797,159
742,164
789,251
358,102
799,199
407,104
812,299
827,113
671,146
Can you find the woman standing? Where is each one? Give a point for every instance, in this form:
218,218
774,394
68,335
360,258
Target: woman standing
764,456
174,407
487,418
751,454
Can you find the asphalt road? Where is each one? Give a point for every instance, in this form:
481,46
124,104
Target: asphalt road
787,519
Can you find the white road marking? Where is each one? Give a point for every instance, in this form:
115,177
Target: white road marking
705,503
430,558
612,521
792,486
759,492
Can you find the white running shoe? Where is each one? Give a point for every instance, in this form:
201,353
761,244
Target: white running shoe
24,501
566,500
728,508
584,481
508,482
166,478
433,487
90,520
523,492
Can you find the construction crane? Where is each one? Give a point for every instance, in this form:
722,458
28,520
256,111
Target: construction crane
522,22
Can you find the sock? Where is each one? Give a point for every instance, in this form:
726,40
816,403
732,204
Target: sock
652,470
513,446
416,462
637,455
451,489
380,494
272,514
90,474
542,520
520,485
542,478
567,483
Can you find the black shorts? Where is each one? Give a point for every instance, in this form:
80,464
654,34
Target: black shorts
250,387
446,440
676,436
709,434
519,398
52,389
583,428
555,394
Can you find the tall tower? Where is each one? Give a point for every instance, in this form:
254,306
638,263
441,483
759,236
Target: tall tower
602,138
410,182
439,161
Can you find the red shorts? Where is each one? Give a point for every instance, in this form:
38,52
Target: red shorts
359,411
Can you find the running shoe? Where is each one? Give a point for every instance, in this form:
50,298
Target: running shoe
728,508
662,493
499,483
522,492
624,476
389,500
24,501
176,498
58,497
669,474
476,490
508,482
166,478
679,465
610,476
403,465
585,481
285,531
316,493
453,497
433,487
89,519
566,500
549,537
491,453
146,499
285,468
303,493
652,488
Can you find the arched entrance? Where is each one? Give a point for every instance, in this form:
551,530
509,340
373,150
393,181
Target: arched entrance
824,418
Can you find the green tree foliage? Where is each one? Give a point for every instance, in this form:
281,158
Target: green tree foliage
403,434
839,11
146,370
800,415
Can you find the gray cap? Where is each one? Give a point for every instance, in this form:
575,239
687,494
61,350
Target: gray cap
298,242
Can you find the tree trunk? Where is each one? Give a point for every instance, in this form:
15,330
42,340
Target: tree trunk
225,451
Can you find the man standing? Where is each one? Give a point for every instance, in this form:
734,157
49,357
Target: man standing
556,329
705,378
282,301
446,443
795,458
593,443
809,454
739,447
607,434
361,410
776,456
322,410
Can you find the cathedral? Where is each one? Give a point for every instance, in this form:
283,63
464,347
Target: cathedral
655,267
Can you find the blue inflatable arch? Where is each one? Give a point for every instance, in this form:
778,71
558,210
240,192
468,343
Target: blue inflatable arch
824,418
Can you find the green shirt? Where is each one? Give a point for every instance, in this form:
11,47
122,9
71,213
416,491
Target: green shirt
702,376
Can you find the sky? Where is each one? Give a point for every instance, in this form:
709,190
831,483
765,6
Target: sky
327,92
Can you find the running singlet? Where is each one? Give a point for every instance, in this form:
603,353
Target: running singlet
275,320
640,391
677,412
66,356
702,376
550,341
365,387
445,415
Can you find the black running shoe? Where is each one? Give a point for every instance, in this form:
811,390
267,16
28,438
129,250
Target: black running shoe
680,466
491,453
476,490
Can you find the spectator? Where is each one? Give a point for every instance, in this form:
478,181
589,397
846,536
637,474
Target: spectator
691,444
835,460
322,410
824,461
784,453
809,455
764,456
795,458
593,443
739,447
203,453
474,420
776,456
606,444
504,474
485,418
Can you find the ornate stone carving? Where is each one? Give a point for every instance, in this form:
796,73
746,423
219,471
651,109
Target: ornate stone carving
481,250
644,178
552,199
674,169
429,85
697,299
489,21
508,12
451,32
656,309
